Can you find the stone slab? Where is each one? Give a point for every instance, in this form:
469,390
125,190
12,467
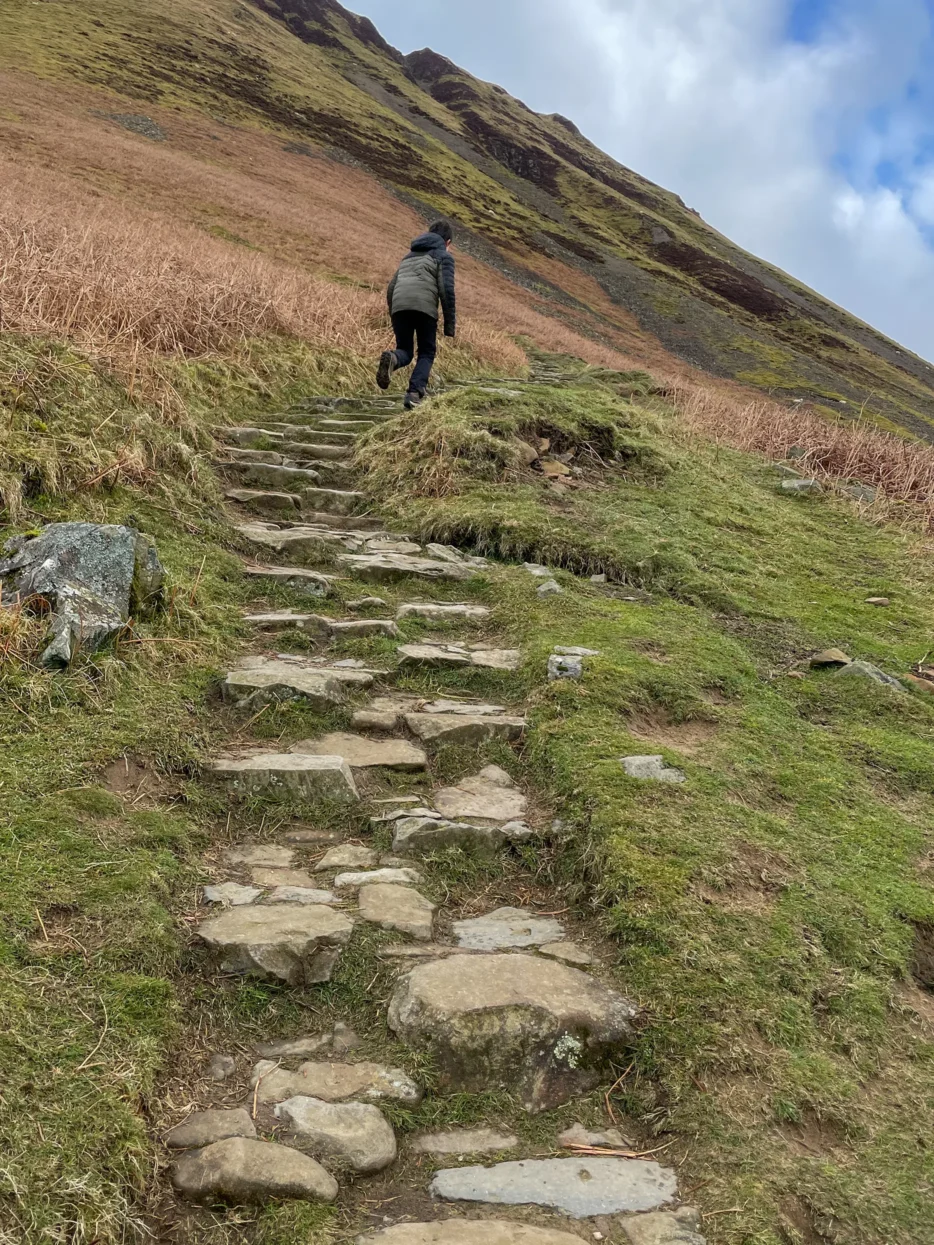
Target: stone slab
359,752
391,568
231,894
398,908
567,952
334,1082
579,1187
460,728
652,769
295,943
260,856
277,681
440,611
243,1170
281,877
296,578
309,777
377,877
347,856
464,1141
507,929
300,895
679,1227
468,1232
354,1133
203,1128
490,795
423,835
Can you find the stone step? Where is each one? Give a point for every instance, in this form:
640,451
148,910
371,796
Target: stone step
470,1232
442,611
423,835
460,728
331,474
268,476
578,1187
248,436
314,450
391,568
274,458
352,1135
452,656
344,441
297,541
530,1026
397,908
507,929
333,1082
243,1170
324,423
299,944
377,877
389,713
261,502
286,620
335,501
295,578
261,680
309,777
359,752
490,796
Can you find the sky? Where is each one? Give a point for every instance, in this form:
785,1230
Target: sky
802,129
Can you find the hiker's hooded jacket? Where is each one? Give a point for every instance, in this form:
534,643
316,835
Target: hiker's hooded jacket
425,278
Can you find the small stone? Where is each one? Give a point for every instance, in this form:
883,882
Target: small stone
440,611
294,943
377,877
464,1141
341,1038
444,553
490,795
468,1232
565,667
577,652
221,1068
598,579
507,929
398,908
652,769
203,1128
333,1082
550,588
580,1187
281,877
553,470
231,894
680,1227
578,1135
356,1133
362,753
866,670
300,895
801,487
567,953
347,856
830,657
261,855
878,601
525,453
243,1170
367,603
863,493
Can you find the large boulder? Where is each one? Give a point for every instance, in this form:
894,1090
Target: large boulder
535,1027
93,576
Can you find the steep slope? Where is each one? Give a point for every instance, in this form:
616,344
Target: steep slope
621,259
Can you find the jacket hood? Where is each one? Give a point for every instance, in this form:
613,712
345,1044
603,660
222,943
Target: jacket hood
428,242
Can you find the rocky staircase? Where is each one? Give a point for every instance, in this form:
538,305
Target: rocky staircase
501,1000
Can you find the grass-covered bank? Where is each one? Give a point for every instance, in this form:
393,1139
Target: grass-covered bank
766,911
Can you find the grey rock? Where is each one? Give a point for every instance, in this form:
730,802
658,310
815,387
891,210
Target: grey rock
444,553
359,752
540,572
459,728
398,908
800,488
334,1082
366,627
260,855
865,670
390,568
490,795
578,1135
294,943
532,1026
347,856
203,1128
580,1187
221,1068
273,457
598,579
367,603
340,1039
445,656
377,877
277,681
265,876
468,1232
260,501
652,769
309,777
356,1133
231,894
249,436
565,667
290,620
549,588
574,651
93,576
567,952
507,929
679,1227
300,895
296,578
440,611
269,476
422,836
242,1170
865,494
464,1141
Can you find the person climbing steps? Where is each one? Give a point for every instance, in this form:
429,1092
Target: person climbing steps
424,279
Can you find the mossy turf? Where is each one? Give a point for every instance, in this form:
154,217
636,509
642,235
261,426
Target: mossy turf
766,910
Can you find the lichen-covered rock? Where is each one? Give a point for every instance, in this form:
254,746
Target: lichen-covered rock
243,1170
535,1027
93,576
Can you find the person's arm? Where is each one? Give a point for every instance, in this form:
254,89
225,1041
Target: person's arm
391,290
446,293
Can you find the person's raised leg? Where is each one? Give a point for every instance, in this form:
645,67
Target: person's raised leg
390,360
427,331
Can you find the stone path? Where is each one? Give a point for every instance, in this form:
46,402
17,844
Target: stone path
501,1000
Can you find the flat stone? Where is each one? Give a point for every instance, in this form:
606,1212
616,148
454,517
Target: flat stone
565,667
300,895
392,546
367,603
390,568
652,769
281,877
467,708
262,502
290,620
507,929
398,908
422,836
355,1133
830,657
549,588
578,1135
260,855
347,856
882,601
310,777
295,943
434,655
537,1028
574,651
567,952
312,837
270,476
801,487
296,578
334,1082
539,571
490,795
580,1187
337,1041
311,450
335,501
445,553
249,436
377,877
203,1128
276,681
460,728
221,1068
468,1232
243,1170
366,627
679,1227
231,894
359,752
440,611
866,670
464,1141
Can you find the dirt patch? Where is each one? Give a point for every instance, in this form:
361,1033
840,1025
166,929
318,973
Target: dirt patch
135,781
922,963
687,737
919,1001
813,1136
750,882
799,1222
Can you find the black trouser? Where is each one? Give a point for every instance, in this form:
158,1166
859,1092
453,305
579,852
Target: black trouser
408,325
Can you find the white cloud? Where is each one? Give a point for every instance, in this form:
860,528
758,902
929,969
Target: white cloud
775,142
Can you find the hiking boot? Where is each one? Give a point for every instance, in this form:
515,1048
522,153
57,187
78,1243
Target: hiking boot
387,365
412,399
